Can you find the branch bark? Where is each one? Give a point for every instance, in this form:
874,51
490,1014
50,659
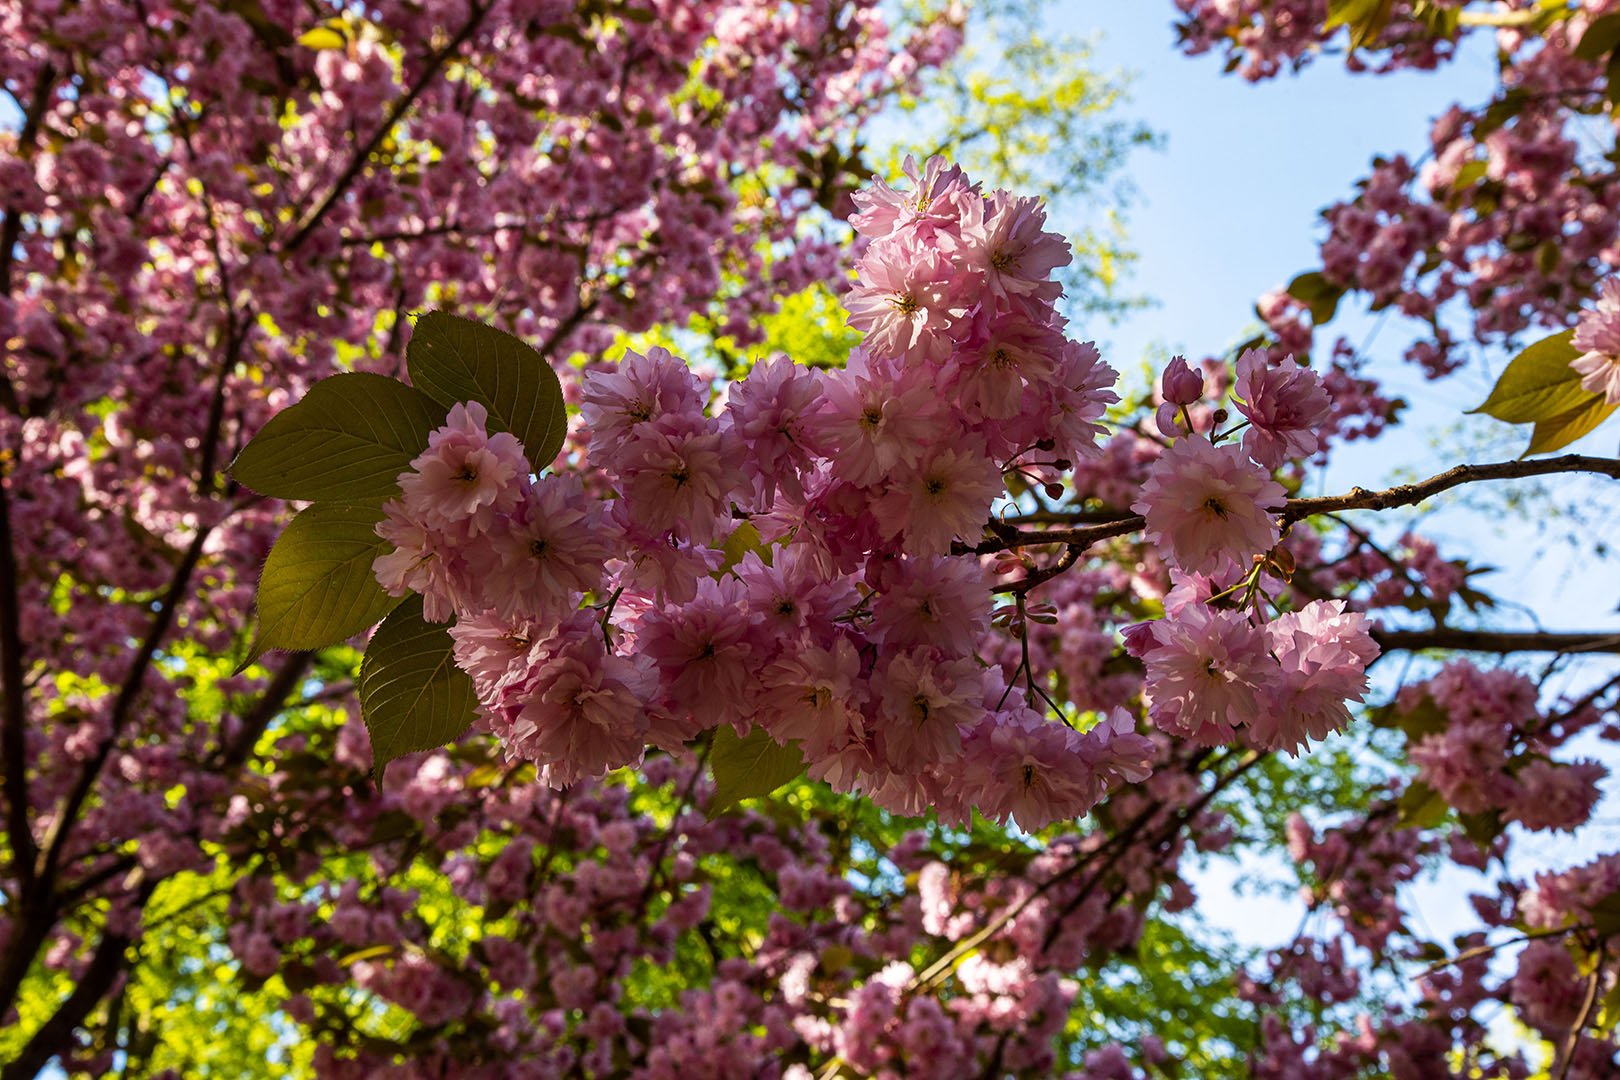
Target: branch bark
1297,509
1492,641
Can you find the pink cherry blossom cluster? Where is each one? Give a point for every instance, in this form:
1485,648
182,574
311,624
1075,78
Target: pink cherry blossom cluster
1210,506
848,629
1507,221
1491,755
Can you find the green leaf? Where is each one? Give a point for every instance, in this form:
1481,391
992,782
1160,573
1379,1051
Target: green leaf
1321,294
349,438
412,695
1610,1014
317,588
746,767
1601,36
1469,174
1606,914
1421,807
1425,718
322,37
1365,18
743,539
1538,384
1483,827
1565,428
454,359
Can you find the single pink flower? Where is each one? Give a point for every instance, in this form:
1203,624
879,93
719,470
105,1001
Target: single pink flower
465,477
1206,672
1597,336
944,496
1208,506
1287,407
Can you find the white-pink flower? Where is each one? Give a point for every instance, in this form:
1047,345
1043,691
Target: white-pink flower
1209,506
1287,407
1012,249
944,496
925,703
1324,651
465,477
1597,336
1207,671
552,549
875,418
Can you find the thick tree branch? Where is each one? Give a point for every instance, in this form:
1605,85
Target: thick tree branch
97,979
14,716
1296,509
1491,641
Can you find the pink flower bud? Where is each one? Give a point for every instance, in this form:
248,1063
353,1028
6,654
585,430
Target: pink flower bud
1182,385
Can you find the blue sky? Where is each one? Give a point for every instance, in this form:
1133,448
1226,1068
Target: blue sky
1228,210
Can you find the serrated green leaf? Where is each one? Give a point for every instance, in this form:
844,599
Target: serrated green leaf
1601,36
1538,384
747,767
1565,428
317,588
348,439
452,359
412,695
1420,807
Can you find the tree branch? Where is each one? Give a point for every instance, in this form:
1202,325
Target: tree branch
1490,641
1296,509
395,113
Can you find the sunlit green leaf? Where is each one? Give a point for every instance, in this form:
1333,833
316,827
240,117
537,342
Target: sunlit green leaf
747,767
412,694
1565,428
1538,384
349,438
317,587
452,359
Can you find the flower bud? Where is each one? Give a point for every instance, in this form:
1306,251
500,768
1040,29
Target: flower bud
1182,385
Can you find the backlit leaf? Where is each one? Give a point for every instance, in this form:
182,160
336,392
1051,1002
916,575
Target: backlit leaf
747,767
452,359
412,695
349,438
317,588
1538,384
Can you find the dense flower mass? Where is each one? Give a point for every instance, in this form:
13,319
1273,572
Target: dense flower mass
848,625
914,568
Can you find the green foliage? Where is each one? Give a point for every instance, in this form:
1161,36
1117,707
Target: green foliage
317,587
746,767
812,327
1539,386
1023,107
1557,432
348,438
1365,18
412,695
1321,294
452,359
